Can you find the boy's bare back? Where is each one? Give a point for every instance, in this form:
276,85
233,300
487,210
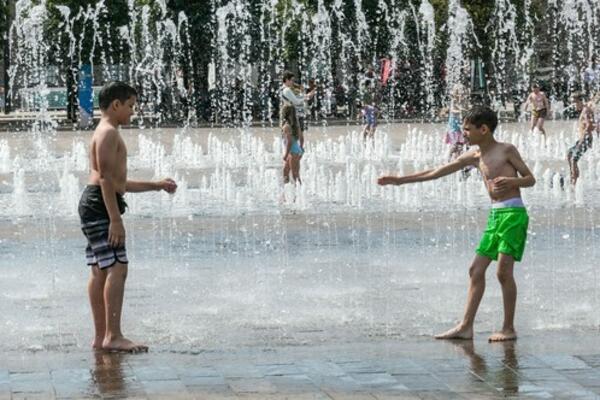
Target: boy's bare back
108,157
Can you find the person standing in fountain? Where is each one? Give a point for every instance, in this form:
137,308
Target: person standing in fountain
290,96
369,109
540,107
585,127
454,135
504,173
100,209
293,140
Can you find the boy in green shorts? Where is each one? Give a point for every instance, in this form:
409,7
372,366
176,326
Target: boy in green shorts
504,173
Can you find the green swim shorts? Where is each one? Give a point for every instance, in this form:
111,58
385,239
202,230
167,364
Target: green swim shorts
506,233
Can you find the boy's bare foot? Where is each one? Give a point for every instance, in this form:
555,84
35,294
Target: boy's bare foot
458,332
124,345
503,335
97,343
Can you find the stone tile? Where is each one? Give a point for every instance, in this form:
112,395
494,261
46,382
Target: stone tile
251,385
591,360
29,376
155,373
33,396
239,371
320,368
211,391
203,380
404,367
421,382
350,396
374,379
388,396
198,372
360,367
279,369
4,376
563,362
292,383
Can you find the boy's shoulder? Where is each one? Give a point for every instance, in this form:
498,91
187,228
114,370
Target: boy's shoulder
508,147
105,131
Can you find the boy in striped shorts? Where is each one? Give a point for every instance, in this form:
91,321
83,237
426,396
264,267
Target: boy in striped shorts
100,210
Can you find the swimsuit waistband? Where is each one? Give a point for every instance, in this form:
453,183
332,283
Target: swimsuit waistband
513,202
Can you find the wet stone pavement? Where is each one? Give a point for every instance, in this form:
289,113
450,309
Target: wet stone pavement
558,366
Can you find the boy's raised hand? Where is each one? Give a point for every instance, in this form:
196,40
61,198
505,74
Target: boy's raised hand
168,185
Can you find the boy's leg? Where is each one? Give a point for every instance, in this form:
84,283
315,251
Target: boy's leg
295,161
96,295
540,125
506,265
533,123
114,290
286,170
572,157
464,330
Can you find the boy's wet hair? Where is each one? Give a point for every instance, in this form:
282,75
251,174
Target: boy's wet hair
115,91
482,116
287,75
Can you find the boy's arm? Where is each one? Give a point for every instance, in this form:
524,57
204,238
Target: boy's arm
106,151
290,96
168,185
469,158
547,102
526,104
526,178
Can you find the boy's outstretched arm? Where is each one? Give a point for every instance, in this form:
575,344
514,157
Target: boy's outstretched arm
526,178
168,185
469,158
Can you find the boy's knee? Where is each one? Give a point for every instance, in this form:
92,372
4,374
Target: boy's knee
476,272
119,270
503,273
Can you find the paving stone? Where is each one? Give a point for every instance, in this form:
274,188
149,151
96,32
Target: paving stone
155,373
240,371
350,396
320,368
563,362
251,385
421,382
279,369
374,379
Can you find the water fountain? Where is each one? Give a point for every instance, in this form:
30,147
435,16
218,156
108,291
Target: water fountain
237,258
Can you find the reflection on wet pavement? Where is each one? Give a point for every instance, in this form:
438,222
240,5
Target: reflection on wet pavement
411,369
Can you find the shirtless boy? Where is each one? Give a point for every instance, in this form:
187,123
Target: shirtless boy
540,107
100,210
504,173
585,129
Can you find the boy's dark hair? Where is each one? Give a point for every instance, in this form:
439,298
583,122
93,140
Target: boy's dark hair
115,91
482,116
287,75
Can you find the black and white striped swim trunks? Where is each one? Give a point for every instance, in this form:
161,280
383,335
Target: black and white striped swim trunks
95,224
